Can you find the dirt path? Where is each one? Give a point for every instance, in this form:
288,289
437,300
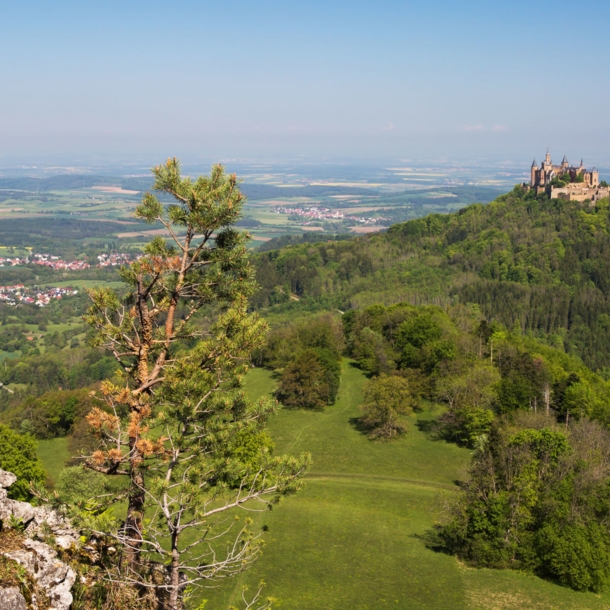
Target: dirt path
373,477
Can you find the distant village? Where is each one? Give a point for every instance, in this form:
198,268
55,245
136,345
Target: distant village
48,260
20,294
317,213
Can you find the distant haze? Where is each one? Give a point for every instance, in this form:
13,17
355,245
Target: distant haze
317,80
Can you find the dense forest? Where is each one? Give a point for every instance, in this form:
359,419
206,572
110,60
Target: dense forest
527,261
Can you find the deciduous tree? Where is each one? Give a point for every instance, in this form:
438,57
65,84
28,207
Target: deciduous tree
385,400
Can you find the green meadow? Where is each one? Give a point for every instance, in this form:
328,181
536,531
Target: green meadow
54,455
12,252
354,537
84,284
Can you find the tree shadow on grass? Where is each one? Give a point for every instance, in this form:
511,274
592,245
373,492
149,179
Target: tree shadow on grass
356,365
433,542
373,433
358,424
434,430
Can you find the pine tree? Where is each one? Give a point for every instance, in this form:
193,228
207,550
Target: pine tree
177,423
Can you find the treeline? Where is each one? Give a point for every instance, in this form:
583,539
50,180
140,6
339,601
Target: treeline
54,413
478,370
541,264
536,500
537,497
294,240
71,182
60,228
39,373
38,275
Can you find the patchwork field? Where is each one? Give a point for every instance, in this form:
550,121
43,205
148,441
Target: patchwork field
353,538
280,204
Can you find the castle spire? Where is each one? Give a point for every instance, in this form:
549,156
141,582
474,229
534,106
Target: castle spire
534,164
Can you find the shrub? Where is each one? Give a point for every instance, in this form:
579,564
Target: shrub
78,484
578,556
18,455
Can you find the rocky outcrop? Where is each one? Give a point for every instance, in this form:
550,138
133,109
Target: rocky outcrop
38,558
35,519
11,599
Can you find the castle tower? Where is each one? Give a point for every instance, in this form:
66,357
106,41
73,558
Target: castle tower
594,177
565,163
547,158
533,173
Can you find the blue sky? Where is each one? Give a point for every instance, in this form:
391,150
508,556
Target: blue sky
328,80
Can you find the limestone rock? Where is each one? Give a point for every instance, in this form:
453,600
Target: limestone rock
33,517
11,599
39,559
6,479
51,574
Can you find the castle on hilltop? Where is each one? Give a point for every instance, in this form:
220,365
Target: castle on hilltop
565,181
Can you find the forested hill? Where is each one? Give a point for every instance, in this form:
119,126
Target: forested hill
541,264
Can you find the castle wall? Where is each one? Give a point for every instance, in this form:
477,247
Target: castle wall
580,193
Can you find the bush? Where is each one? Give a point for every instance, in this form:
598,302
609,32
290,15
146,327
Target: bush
578,556
78,484
467,425
18,455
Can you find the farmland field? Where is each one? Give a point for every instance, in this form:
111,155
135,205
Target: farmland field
278,203
84,284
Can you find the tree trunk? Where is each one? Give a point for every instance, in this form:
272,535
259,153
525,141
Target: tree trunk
174,602
547,398
135,507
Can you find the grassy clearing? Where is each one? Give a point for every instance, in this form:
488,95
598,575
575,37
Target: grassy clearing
7,355
14,251
54,455
353,537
